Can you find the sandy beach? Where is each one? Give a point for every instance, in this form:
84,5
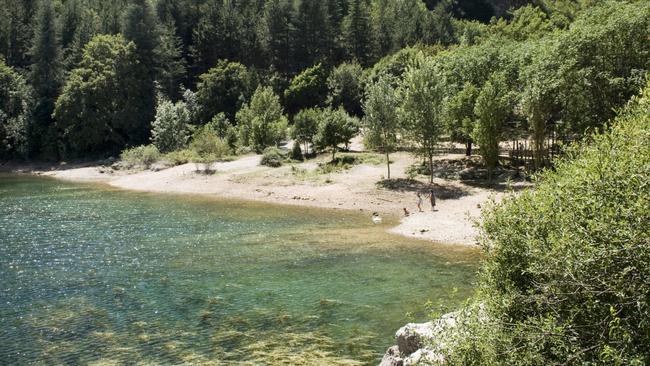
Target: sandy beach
457,205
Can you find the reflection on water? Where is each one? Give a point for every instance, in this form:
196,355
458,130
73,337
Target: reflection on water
92,275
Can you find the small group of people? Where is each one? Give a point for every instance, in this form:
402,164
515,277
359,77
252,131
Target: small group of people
419,201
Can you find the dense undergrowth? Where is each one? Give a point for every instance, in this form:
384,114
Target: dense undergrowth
565,279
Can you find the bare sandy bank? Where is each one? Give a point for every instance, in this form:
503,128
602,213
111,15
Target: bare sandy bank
458,204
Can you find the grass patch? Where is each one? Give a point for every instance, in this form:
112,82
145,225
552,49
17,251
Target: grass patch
347,161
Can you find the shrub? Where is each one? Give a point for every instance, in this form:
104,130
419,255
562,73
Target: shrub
296,152
335,127
180,157
262,122
567,264
141,155
208,147
305,126
272,157
170,128
307,89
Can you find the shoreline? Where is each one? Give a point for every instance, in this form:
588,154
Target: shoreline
457,204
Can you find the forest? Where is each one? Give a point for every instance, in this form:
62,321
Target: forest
558,87
83,78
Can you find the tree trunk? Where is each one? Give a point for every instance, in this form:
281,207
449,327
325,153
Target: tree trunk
333,153
388,164
431,168
468,148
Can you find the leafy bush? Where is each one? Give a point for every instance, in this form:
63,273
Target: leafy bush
307,89
296,152
567,264
224,88
180,157
305,126
14,110
262,122
272,157
335,127
170,128
142,156
208,147
347,161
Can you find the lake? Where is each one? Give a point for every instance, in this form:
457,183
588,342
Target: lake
95,275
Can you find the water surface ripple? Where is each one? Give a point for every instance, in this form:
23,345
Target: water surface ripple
92,275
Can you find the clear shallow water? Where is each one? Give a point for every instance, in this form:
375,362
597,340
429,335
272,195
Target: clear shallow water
95,275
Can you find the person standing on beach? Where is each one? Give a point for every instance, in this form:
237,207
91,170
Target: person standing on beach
419,201
432,197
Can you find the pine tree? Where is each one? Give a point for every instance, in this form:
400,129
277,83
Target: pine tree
250,19
276,31
139,25
171,68
89,25
17,31
357,33
45,77
207,37
313,35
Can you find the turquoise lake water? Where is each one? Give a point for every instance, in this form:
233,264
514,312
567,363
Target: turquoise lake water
94,275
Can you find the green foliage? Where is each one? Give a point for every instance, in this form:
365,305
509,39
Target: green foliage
46,78
345,85
346,161
220,125
180,157
273,157
313,38
138,25
459,115
296,152
170,128
100,105
335,127
381,120
171,66
15,102
308,89
208,147
276,33
224,88
567,264
396,64
141,156
420,113
493,106
261,122
305,126
527,22
357,33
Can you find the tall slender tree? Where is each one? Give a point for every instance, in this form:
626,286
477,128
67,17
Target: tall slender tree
357,33
381,119
422,94
139,25
46,79
493,106
313,34
276,32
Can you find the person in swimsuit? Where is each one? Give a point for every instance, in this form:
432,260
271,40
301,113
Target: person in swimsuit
419,201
